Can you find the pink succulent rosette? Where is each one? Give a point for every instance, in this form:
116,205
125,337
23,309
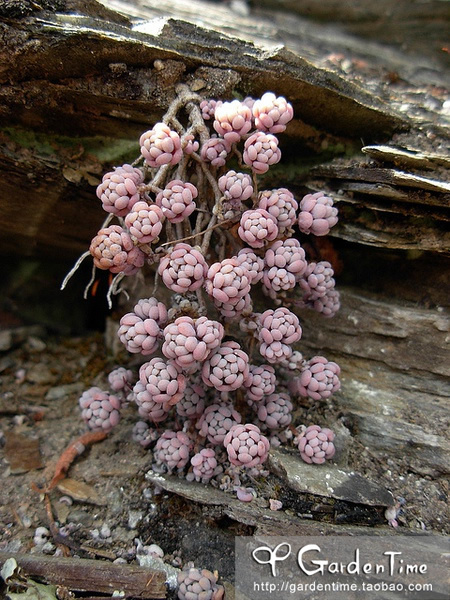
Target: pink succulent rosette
316,444
272,113
275,411
140,330
261,382
208,107
216,422
196,584
284,264
281,204
143,434
257,227
246,446
226,368
232,310
278,329
204,464
232,120
145,222
176,201
162,381
327,305
319,379
151,308
192,404
317,214
252,262
100,410
227,281
161,146
120,378
261,151
173,450
317,280
119,189
112,248
189,342
236,186
148,409
215,151
184,269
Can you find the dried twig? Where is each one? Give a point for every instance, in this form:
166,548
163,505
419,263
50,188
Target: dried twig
73,450
92,576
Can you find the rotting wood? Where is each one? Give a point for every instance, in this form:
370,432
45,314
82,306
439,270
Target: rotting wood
99,81
95,576
395,370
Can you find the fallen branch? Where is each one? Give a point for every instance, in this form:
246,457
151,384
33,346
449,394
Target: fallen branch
94,576
73,450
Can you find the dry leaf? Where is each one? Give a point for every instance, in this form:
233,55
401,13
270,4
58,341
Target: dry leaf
80,491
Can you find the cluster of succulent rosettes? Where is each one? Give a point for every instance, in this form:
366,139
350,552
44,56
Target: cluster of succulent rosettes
176,201
196,584
316,444
274,411
161,146
246,445
204,465
183,269
226,368
173,450
119,190
277,330
112,248
317,214
216,422
219,242
163,381
140,330
100,410
189,342
319,379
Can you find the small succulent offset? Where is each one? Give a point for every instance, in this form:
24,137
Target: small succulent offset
213,368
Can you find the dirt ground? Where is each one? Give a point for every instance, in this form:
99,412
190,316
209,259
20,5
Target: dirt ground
111,511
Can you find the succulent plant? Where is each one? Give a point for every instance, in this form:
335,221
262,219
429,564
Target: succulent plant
219,246
316,444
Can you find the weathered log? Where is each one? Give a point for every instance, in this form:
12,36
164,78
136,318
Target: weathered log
78,89
87,575
394,360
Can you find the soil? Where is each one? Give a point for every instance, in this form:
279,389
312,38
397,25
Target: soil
119,510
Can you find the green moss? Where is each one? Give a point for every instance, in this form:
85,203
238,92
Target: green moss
106,150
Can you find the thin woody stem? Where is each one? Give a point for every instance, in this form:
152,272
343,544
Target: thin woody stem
209,232
206,231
